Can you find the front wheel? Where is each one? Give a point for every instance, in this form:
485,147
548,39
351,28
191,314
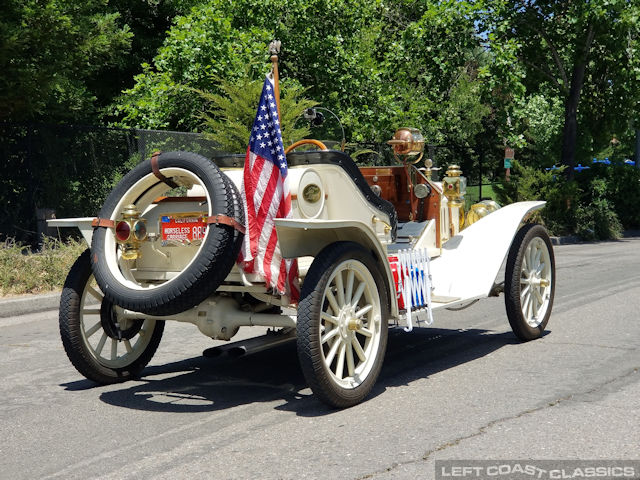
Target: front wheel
530,282
342,324
101,344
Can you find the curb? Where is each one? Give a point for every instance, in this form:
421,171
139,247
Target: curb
23,305
573,239
566,240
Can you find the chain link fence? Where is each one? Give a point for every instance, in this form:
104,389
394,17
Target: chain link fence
68,170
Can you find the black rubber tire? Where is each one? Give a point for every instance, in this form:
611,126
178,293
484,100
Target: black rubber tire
73,340
238,210
512,283
309,345
207,271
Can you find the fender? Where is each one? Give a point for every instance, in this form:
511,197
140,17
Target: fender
82,223
299,238
470,261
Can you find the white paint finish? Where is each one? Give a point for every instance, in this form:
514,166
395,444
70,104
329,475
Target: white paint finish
427,239
82,223
307,237
470,261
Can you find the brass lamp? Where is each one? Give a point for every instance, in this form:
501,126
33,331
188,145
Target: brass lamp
408,147
480,210
454,186
131,231
408,143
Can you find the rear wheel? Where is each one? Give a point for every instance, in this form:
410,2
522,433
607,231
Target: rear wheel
530,282
342,324
102,346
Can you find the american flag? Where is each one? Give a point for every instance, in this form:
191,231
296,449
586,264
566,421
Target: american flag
266,196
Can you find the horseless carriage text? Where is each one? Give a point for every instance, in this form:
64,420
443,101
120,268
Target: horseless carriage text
375,247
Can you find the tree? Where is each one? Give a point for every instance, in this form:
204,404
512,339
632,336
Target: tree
199,48
377,65
148,22
50,50
584,53
231,114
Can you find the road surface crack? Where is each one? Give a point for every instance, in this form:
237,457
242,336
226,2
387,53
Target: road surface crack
484,428
614,347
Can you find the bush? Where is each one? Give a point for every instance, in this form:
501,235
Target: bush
622,190
22,271
597,205
528,183
596,218
230,115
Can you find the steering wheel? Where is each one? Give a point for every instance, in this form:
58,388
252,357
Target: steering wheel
305,141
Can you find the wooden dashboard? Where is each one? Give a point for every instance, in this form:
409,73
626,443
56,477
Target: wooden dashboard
393,184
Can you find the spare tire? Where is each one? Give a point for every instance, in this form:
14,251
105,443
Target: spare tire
238,213
210,264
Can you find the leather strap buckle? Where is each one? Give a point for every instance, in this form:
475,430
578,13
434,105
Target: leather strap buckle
156,171
103,222
225,220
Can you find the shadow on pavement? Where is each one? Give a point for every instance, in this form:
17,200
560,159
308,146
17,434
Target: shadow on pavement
203,384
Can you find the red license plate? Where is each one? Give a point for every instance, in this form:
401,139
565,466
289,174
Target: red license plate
182,227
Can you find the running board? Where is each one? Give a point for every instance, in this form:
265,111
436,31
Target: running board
250,346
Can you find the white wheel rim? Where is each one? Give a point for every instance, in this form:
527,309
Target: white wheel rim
142,194
535,282
350,324
108,351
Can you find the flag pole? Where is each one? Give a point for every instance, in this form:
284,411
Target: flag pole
274,50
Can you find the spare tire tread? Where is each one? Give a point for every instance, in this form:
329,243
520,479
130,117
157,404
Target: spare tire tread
206,272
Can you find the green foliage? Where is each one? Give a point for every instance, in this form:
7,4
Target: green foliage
462,116
597,205
68,169
529,183
542,118
50,50
596,218
231,113
22,271
624,192
378,66
199,47
616,185
576,57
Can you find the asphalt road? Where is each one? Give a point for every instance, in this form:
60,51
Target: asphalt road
465,389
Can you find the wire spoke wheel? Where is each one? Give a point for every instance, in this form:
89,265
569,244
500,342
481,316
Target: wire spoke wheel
350,324
530,282
535,282
113,342
101,343
342,324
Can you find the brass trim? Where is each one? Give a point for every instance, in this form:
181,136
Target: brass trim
387,227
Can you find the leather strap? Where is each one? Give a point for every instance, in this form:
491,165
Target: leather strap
156,171
103,222
224,220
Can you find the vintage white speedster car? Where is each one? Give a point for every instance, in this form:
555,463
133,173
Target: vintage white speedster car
377,247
